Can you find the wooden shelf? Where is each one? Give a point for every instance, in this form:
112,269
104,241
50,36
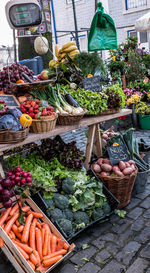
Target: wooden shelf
86,121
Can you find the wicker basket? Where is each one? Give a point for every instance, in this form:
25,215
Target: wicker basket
43,125
67,119
7,136
120,187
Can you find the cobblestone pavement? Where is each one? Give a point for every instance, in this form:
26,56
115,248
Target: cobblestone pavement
114,246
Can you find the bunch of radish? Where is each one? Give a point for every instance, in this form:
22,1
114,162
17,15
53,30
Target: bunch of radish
104,167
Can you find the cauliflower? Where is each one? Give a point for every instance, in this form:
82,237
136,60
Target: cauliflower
61,201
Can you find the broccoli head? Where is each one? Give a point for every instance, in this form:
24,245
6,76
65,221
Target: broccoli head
81,217
97,213
49,202
55,214
61,201
68,186
106,208
66,226
68,214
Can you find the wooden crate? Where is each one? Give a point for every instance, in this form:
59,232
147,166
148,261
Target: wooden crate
13,254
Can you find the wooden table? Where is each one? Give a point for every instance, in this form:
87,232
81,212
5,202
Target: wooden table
93,133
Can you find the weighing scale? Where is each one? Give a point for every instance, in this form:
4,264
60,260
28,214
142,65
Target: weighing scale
23,13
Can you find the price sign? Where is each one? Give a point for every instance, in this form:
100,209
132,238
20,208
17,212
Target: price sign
118,153
10,101
92,83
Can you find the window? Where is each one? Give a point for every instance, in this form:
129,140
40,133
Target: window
132,33
131,4
143,37
70,1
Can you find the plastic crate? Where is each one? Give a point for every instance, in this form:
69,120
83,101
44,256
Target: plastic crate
113,202
144,122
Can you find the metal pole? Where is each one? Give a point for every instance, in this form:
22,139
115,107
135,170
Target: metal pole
15,47
75,24
95,5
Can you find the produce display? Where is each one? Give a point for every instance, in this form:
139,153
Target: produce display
36,109
66,153
104,167
34,239
17,181
108,134
94,102
13,74
80,203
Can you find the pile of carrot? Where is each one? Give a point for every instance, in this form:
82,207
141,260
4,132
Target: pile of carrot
35,240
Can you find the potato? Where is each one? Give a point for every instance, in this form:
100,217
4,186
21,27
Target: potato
122,165
133,167
105,136
106,167
96,168
107,161
131,162
127,164
127,171
115,168
105,173
119,173
100,161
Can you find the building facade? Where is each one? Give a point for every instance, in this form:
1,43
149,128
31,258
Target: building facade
125,13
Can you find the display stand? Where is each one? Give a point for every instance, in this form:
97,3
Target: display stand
94,137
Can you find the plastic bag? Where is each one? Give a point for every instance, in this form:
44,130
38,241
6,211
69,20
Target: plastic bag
103,33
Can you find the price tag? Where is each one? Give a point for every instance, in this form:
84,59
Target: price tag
10,101
92,83
118,153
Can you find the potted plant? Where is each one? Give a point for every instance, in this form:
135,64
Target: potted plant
143,110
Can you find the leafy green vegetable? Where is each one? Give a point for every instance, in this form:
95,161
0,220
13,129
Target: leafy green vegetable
85,246
61,201
120,213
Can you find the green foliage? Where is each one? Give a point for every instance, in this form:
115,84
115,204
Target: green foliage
136,70
89,63
115,66
116,96
142,108
94,102
146,60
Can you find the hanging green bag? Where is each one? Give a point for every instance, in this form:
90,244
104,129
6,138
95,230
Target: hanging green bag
103,33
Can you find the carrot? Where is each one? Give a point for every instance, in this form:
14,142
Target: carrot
25,247
57,253
31,264
25,255
42,268
17,223
46,226
38,225
45,245
66,246
53,243
25,233
4,216
33,259
32,234
25,208
11,234
38,236
60,245
20,229
51,261
43,235
14,209
15,230
49,245
10,223
35,214
36,254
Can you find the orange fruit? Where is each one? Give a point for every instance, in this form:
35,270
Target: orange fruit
19,81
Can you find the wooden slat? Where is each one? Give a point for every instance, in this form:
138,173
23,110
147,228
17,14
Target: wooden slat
86,121
98,141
